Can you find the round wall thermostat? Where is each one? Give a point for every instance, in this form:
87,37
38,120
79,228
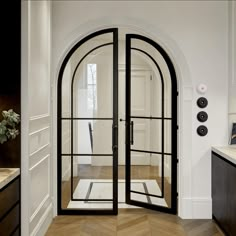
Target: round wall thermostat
202,88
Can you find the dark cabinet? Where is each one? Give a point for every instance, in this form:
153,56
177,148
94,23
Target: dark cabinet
232,200
224,193
10,208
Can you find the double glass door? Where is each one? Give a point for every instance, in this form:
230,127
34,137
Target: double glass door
93,178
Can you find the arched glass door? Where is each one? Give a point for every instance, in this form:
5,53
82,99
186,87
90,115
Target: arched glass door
151,127
88,126
88,159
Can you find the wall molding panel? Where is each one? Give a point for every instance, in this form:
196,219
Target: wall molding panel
38,122
41,222
39,154
37,211
40,208
40,183
39,138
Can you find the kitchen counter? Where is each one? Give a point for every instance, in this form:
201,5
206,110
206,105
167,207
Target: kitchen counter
227,152
223,161
7,175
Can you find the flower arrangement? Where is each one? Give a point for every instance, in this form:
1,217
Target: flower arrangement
8,126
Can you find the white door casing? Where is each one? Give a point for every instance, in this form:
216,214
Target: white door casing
185,86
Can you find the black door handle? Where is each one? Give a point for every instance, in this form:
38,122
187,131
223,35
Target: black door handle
132,133
114,137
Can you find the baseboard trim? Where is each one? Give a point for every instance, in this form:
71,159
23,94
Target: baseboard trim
185,208
43,224
202,208
195,208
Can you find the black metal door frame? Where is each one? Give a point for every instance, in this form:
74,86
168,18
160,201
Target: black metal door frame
128,135
129,126
114,154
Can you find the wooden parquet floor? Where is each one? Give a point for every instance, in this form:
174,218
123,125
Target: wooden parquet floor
131,222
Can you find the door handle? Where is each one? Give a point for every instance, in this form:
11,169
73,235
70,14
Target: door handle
114,137
132,133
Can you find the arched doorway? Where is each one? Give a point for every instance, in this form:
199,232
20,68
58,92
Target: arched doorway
99,95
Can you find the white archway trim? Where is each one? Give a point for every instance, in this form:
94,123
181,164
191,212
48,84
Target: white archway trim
185,88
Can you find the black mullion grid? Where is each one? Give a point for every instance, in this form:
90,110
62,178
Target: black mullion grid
85,118
151,117
173,208
174,95
115,121
59,119
91,200
162,114
127,118
72,111
148,194
84,154
151,152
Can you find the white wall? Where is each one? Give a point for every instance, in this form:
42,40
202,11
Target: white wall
36,201
195,34
232,64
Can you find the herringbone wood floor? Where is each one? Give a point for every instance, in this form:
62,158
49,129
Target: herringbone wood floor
131,222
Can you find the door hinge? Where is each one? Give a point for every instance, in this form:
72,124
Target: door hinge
150,77
177,94
177,161
177,127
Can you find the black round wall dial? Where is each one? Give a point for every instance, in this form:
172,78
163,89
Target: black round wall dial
202,130
202,102
202,116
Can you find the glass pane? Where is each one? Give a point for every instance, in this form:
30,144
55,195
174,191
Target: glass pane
92,85
156,139
65,181
140,93
89,137
141,134
89,46
149,89
66,91
147,178
66,136
168,136
147,135
90,183
93,92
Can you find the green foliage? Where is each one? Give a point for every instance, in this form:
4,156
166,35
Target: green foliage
8,126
